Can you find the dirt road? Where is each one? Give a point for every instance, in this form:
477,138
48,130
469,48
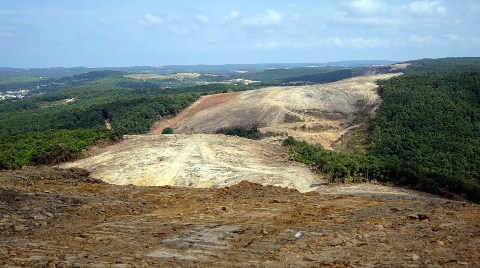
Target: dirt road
315,113
56,218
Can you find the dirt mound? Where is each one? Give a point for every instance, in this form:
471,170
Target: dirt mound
315,113
29,173
54,223
196,161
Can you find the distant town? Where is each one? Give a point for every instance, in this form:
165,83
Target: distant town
14,94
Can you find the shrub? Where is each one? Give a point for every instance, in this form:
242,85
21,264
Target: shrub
167,130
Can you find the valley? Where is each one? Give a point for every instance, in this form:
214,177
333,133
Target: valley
196,197
196,157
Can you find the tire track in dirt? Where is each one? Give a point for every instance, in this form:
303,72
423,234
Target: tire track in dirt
316,113
200,160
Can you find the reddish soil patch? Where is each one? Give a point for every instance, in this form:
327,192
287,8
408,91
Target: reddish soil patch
57,218
205,102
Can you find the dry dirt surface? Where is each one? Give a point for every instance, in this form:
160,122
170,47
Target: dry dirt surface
200,160
315,113
62,218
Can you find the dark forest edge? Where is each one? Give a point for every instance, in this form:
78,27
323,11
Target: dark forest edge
426,133
65,116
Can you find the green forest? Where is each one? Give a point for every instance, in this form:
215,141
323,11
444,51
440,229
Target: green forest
426,134
64,116
40,129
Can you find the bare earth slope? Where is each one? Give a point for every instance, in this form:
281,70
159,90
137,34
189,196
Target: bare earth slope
199,160
57,218
315,113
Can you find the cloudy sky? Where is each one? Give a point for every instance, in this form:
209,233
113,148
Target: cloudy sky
45,33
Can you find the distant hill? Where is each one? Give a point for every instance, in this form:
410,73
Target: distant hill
58,72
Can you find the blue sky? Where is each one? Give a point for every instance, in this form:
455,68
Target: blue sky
68,33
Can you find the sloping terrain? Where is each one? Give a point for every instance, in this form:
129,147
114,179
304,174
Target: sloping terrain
315,113
58,218
199,160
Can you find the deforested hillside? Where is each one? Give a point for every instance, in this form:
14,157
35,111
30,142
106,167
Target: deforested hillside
315,113
198,155
426,133
197,161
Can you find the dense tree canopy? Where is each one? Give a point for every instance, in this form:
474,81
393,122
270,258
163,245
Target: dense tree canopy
426,133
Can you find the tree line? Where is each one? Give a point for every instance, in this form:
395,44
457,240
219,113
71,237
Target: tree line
426,133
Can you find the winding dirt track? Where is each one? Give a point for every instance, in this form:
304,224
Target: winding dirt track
315,113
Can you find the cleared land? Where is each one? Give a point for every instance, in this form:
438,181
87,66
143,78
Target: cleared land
199,160
318,113
57,218
52,217
315,113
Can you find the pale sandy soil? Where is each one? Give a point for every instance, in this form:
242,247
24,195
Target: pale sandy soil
51,217
200,160
315,113
210,160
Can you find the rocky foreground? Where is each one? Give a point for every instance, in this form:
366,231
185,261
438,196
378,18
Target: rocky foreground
61,218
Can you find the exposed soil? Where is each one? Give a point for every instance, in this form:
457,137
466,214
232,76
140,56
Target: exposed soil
199,160
57,218
315,113
51,217
203,103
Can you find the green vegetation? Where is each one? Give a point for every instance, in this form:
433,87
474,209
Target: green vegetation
426,134
47,147
167,130
336,165
289,75
250,133
439,67
327,77
64,122
20,79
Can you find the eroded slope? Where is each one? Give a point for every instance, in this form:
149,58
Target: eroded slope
315,113
199,160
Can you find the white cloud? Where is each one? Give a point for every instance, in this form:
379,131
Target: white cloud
267,45
151,20
202,18
267,18
368,42
453,37
284,44
364,6
232,15
426,7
